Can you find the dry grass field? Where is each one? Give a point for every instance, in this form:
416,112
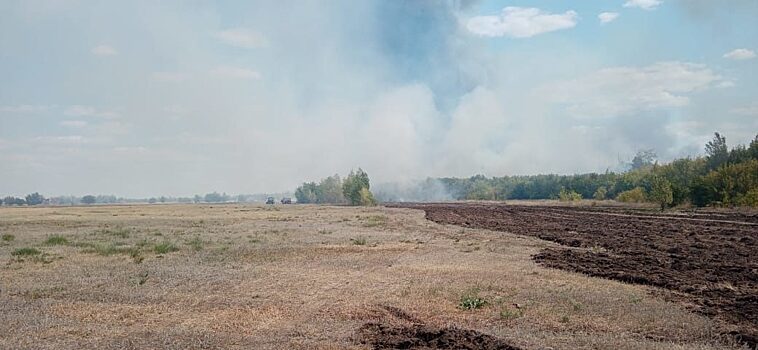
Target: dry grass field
302,277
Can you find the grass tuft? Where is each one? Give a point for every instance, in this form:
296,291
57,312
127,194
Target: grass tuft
375,220
8,237
165,247
508,314
56,240
196,243
359,240
26,252
117,232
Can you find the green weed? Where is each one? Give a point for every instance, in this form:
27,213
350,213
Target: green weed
471,301
165,247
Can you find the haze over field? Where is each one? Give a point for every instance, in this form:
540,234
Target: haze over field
143,98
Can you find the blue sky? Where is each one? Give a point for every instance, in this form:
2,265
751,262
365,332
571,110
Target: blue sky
146,98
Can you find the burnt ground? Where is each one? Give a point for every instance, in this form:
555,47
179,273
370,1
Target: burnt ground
402,331
382,336
706,259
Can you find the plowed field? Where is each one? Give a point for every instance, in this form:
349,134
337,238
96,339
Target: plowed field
706,259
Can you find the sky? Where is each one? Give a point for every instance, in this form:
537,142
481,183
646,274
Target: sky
146,98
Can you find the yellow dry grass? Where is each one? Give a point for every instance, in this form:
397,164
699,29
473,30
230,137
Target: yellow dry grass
301,277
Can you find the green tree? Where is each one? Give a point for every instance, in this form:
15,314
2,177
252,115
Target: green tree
753,148
89,199
306,193
730,183
661,192
354,184
367,198
682,174
213,197
717,152
330,190
482,189
643,159
34,199
600,193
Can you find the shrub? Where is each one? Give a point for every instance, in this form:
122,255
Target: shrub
635,195
732,182
8,237
569,196
601,193
749,199
661,192
359,240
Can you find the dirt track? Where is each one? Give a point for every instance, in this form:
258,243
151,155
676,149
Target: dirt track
709,259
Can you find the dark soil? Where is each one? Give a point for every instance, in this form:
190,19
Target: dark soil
396,329
382,336
709,259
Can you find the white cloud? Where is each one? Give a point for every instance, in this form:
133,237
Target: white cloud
88,111
740,54
74,123
520,22
130,150
61,140
749,111
104,50
23,109
230,72
623,90
643,4
241,37
607,17
168,77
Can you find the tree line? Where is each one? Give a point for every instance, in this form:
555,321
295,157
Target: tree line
30,199
213,197
723,177
354,190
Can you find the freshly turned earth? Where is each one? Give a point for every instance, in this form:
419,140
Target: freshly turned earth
418,337
709,259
